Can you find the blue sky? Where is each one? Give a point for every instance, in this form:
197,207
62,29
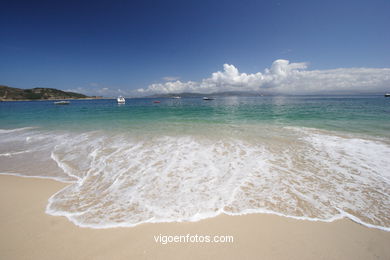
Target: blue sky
128,45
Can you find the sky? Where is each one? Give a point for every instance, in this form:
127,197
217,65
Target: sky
132,48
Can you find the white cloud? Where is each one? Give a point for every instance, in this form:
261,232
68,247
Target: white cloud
169,78
102,90
77,90
285,78
112,92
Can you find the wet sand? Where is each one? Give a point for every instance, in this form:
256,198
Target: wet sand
28,233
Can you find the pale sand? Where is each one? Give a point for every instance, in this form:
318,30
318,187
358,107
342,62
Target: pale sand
28,233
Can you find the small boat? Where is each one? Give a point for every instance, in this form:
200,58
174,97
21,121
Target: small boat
62,103
208,98
177,97
121,100
156,101
387,95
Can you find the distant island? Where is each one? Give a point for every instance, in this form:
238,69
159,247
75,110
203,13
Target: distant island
14,94
255,94
215,94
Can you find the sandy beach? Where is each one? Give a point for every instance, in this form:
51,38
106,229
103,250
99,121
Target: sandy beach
29,233
194,130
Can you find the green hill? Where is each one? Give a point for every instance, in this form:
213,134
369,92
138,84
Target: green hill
8,93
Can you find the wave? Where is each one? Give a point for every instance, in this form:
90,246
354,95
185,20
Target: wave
35,177
6,131
14,153
119,179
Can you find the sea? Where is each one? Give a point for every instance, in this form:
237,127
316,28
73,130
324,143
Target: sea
318,158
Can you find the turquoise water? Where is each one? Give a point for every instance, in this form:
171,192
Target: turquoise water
358,114
313,158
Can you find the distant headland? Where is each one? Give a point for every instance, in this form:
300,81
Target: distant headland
214,94
18,94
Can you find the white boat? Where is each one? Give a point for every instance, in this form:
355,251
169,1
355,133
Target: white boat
208,98
177,97
62,103
121,100
387,95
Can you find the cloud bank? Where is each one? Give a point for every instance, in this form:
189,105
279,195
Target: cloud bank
283,78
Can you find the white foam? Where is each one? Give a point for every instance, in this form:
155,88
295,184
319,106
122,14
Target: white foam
6,131
125,180
186,179
9,154
36,177
28,153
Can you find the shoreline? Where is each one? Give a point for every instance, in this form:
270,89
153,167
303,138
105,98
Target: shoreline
14,100
343,216
29,233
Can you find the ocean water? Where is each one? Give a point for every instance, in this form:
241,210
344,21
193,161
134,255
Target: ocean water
317,158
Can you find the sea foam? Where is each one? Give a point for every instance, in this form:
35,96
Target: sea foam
120,179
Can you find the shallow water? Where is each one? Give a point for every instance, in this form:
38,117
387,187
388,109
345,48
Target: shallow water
317,158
